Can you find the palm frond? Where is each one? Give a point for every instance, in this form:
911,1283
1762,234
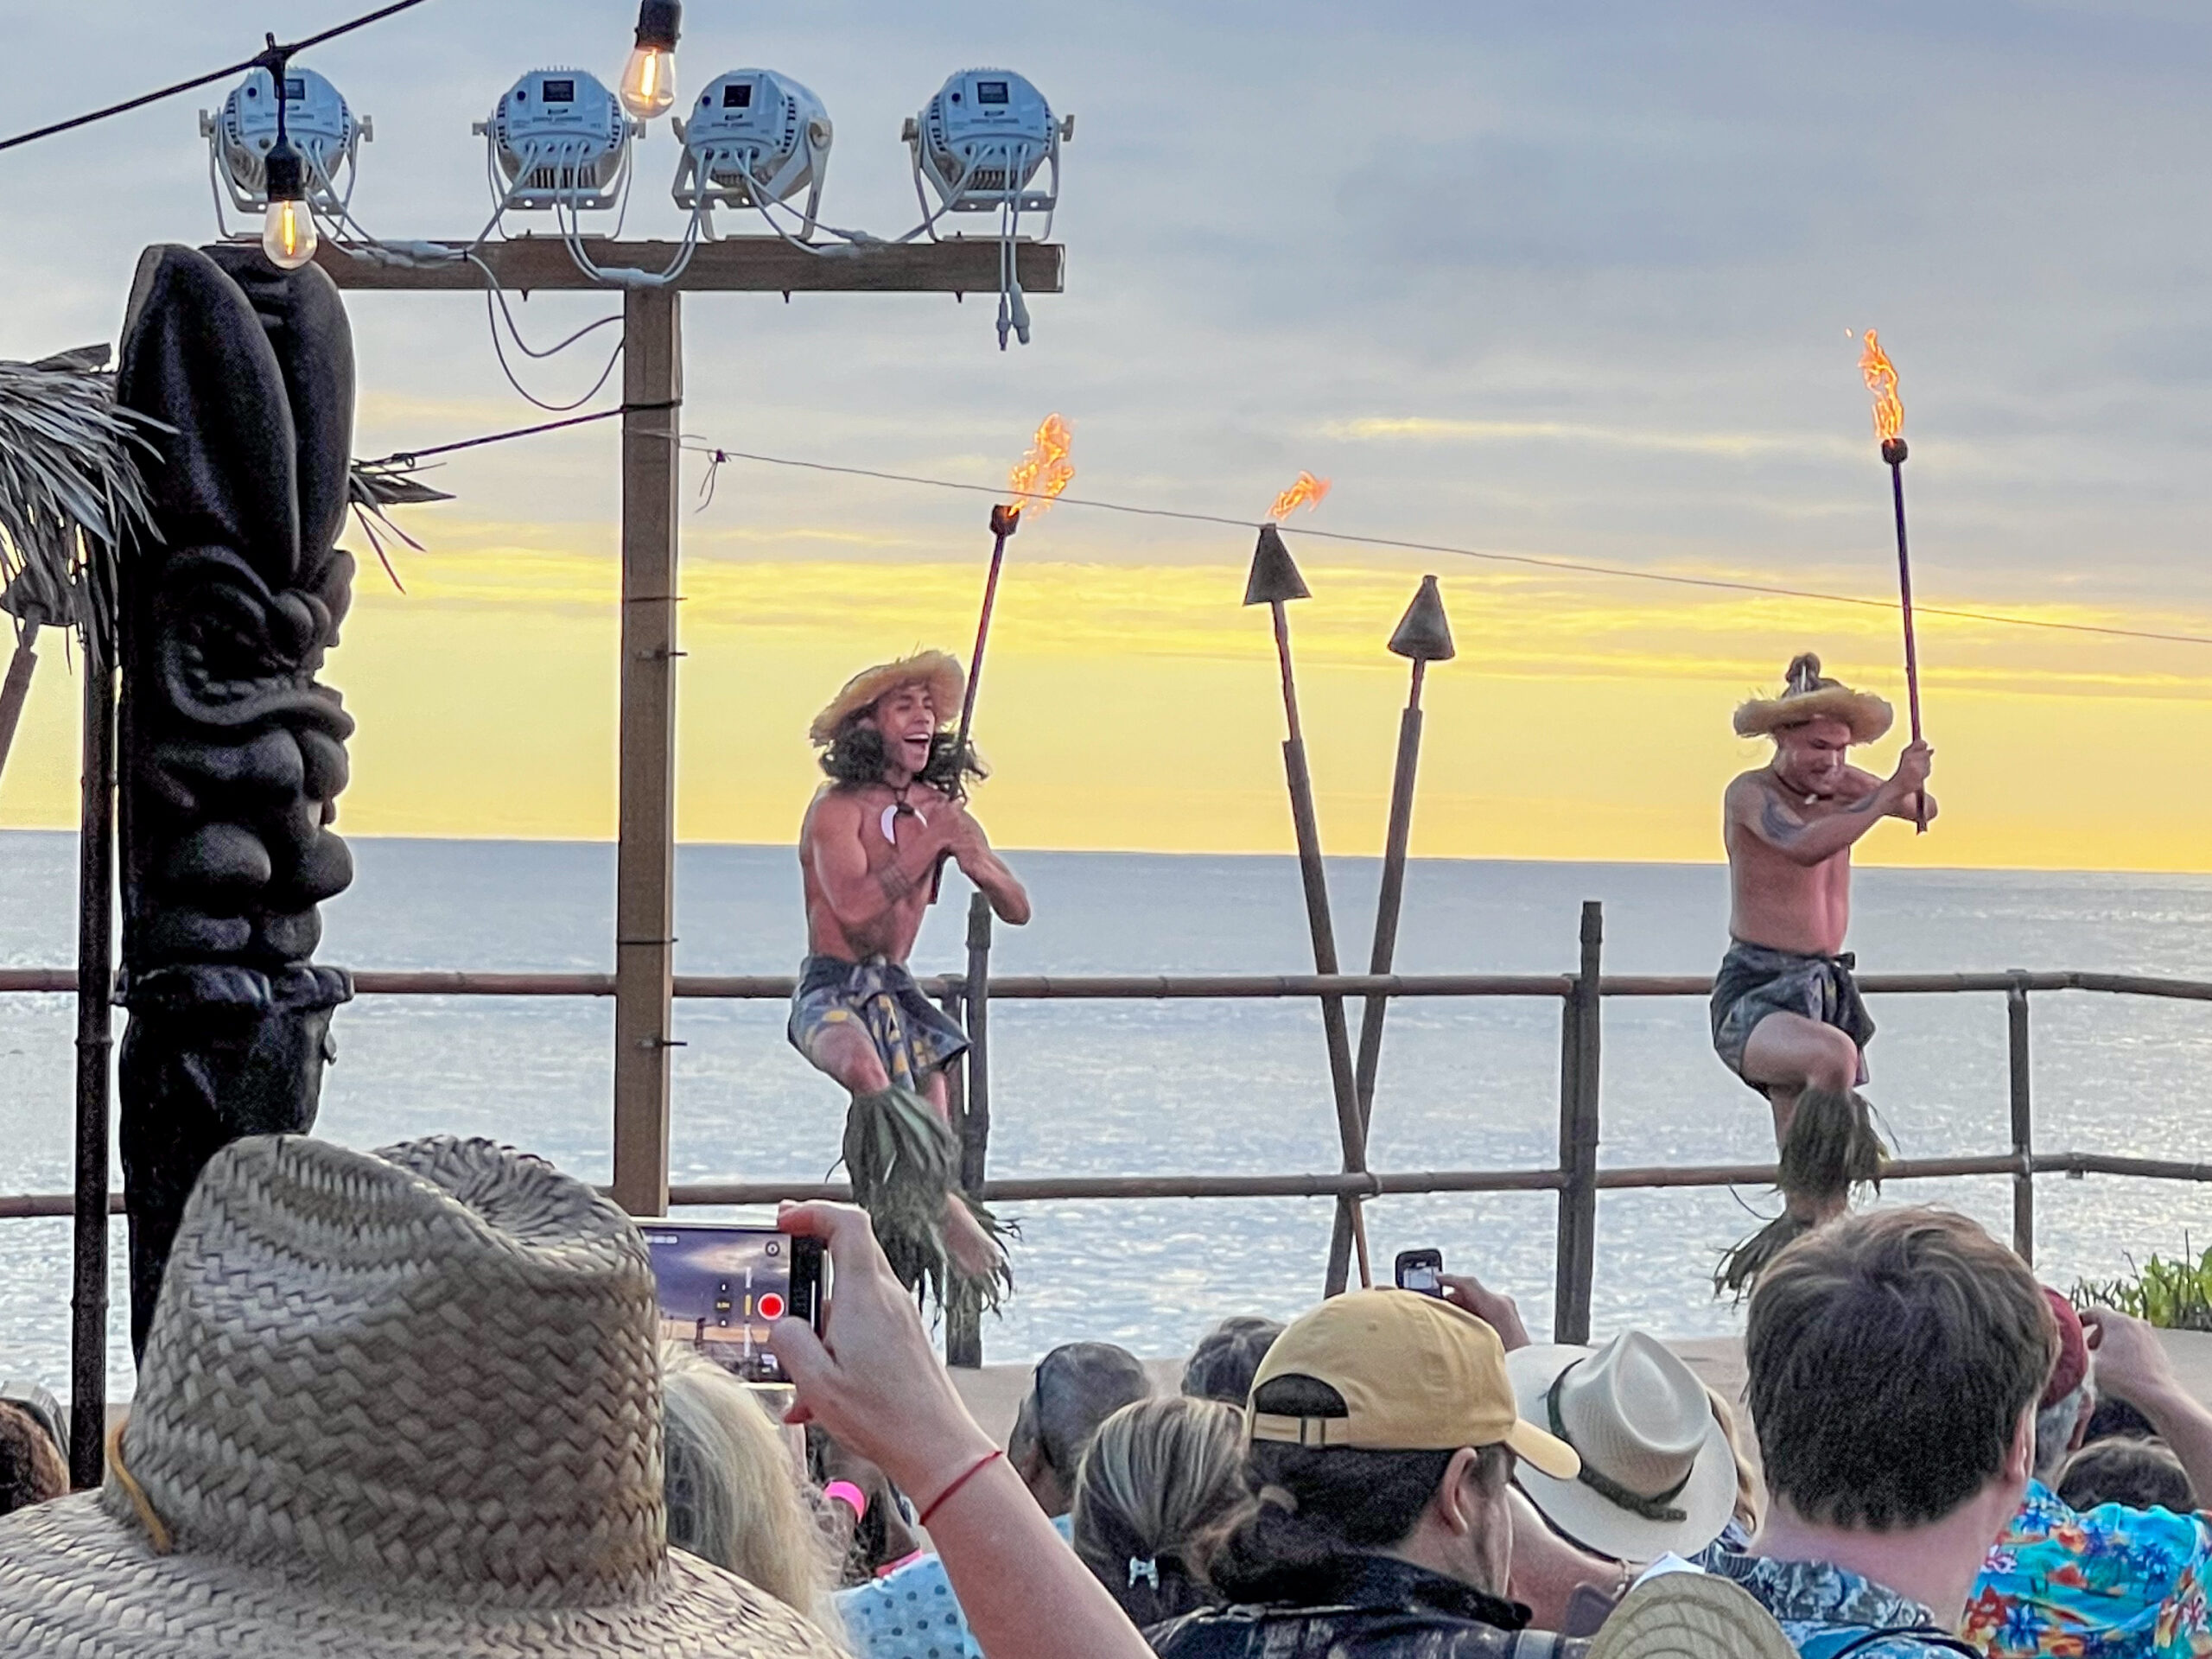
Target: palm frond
71,493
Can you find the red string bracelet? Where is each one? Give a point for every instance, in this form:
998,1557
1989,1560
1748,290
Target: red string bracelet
958,1481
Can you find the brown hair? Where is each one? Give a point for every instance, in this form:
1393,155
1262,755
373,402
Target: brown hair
31,1470
1892,1355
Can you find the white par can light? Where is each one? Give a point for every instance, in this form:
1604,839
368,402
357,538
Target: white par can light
561,140
317,121
982,141
753,137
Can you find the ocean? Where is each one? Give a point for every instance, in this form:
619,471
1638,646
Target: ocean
1130,1088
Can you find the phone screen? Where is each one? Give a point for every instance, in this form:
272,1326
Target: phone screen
1422,1271
722,1285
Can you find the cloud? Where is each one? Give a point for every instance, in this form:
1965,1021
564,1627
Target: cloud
1421,429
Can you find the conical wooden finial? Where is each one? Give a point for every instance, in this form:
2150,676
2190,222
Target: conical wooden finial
1274,575
1425,632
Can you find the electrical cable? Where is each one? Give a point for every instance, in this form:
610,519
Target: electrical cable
719,455
261,60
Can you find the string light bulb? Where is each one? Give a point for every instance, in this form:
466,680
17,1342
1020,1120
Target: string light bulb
287,232
648,87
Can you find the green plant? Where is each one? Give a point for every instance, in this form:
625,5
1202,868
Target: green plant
2174,1294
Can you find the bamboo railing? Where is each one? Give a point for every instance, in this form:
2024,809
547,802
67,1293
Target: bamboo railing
1576,1176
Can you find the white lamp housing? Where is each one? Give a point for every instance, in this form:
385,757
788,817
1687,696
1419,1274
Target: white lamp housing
753,137
561,140
980,141
321,129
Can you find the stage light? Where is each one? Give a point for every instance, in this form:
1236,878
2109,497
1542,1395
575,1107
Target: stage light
562,141
753,138
324,134
649,79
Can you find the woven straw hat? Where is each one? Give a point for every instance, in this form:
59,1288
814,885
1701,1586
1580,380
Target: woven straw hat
1806,696
937,669
1690,1614
392,1406
1658,1473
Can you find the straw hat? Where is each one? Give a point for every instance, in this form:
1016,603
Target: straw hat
1658,1473
1690,1614
392,1406
937,669
1806,696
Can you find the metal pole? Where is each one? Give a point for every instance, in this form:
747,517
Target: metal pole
2024,1180
963,1323
644,904
16,688
95,988
1578,1142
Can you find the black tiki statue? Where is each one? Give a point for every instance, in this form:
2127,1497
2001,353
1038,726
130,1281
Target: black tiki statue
231,756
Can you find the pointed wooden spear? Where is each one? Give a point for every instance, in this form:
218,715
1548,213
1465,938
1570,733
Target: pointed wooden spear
1273,582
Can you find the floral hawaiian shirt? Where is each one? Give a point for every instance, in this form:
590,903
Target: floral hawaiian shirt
1826,1612
912,1613
2107,1583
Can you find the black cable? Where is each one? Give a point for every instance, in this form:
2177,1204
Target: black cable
262,59
404,457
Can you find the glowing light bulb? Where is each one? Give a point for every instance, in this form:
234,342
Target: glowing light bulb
648,87
287,232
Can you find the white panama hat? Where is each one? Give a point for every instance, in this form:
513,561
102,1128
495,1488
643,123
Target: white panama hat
1657,1473
393,1406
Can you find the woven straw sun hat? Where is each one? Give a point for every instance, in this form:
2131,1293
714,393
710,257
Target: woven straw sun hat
393,1406
1657,1473
937,669
1806,696
1690,1614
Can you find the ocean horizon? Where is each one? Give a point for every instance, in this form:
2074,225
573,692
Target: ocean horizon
1139,1088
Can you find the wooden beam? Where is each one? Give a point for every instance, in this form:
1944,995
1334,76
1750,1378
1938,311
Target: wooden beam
756,264
645,900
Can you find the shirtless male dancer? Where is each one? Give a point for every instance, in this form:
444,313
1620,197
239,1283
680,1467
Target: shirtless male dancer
1787,1016
869,851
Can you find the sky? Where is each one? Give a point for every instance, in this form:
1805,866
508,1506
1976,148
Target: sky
1573,282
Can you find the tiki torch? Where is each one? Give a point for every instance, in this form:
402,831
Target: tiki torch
30,604
1273,582
1039,477
1881,377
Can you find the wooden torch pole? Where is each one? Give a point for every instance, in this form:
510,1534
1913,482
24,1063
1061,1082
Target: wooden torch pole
1894,451
16,688
1274,581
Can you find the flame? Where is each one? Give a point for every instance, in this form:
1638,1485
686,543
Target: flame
1040,475
1307,492
1882,380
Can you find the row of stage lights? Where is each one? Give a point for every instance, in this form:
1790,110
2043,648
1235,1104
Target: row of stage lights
286,144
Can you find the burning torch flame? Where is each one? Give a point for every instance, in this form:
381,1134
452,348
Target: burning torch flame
1040,475
1882,380
1307,492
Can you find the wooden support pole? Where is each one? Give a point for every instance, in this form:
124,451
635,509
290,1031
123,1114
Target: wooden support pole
971,1117
15,688
95,991
2022,1111
1578,1140
645,902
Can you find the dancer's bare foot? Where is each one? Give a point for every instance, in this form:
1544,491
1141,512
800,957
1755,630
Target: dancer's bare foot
973,1250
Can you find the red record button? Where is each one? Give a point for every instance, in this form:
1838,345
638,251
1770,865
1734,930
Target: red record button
772,1307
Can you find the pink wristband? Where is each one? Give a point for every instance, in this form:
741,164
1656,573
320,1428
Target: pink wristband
851,1496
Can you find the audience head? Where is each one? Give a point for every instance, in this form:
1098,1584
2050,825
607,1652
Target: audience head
735,1496
1222,1366
2069,1398
2135,1474
31,1470
1658,1473
1382,1422
1076,1388
1896,1357
1160,1476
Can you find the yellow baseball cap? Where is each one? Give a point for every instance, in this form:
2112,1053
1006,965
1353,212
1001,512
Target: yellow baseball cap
1417,1374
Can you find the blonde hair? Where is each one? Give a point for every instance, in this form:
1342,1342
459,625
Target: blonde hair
735,1495
1751,1496
1158,1478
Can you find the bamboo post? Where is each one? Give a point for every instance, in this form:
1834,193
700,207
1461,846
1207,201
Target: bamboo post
1274,581
1578,1140
963,1323
2024,1179
16,688
95,988
644,903
1423,636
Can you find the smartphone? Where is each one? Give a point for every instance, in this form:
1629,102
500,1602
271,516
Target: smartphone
722,1284
1421,1270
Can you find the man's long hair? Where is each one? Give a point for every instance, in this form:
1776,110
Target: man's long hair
858,755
